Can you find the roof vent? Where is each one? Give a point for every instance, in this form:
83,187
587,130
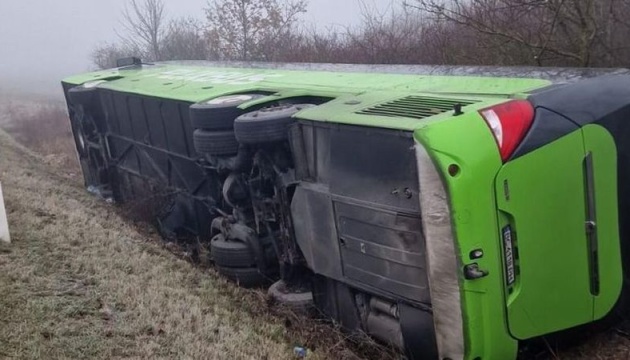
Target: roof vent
417,107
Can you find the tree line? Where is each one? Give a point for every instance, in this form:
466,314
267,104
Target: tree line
575,33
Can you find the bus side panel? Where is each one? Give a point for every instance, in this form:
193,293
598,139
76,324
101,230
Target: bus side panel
599,143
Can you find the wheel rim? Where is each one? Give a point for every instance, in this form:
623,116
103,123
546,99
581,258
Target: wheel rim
230,99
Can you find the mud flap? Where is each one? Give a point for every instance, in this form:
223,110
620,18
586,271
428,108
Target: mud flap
418,333
336,301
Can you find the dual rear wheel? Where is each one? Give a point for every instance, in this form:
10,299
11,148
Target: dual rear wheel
236,261
221,127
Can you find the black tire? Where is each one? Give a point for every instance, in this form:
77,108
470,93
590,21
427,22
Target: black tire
215,142
85,95
244,277
79,139
219,115
232,253
297,300
266,125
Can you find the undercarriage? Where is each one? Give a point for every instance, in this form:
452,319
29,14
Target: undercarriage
330,213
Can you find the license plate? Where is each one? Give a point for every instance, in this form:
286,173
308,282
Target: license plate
508,252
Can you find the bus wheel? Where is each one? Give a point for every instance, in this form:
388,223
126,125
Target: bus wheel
231,253
219,113
215,142
245,277
297,299
266,125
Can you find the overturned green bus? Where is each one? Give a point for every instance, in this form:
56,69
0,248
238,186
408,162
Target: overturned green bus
455,213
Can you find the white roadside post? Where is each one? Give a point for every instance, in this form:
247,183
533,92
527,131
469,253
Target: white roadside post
4,224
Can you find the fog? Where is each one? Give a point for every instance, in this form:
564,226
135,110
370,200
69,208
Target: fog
41,41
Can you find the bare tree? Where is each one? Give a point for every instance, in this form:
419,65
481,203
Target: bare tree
144,22
184,40
249,29
547,32
391,36
457,32
106,55
312,45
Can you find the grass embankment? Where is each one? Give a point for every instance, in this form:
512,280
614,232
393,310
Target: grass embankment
81,282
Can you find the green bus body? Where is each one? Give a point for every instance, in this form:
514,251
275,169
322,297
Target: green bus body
530,208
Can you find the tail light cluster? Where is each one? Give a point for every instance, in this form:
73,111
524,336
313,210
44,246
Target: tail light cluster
509,123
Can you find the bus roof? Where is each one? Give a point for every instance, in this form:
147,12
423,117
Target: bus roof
356,88
197,83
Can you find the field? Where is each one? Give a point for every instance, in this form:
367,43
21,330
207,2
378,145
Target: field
81,281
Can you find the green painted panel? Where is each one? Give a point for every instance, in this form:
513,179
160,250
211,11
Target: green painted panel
542,195
600,143
352,94
466,141
196,83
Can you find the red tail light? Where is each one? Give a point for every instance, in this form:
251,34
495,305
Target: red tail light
509,123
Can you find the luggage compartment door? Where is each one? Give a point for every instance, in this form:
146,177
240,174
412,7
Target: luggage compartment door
542,210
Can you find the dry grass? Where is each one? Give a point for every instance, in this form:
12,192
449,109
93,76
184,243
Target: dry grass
44,128
610,345
80,281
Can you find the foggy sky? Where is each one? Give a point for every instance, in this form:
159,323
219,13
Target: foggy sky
42,41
